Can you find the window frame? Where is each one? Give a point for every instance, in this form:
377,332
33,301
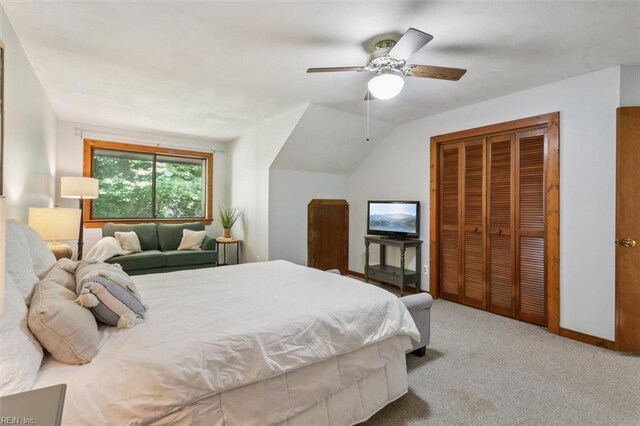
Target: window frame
87,170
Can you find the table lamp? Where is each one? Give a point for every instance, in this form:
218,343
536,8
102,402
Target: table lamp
54,225
3,224
82,188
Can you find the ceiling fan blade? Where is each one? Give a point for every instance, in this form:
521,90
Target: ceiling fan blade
412,41
335,69
429,71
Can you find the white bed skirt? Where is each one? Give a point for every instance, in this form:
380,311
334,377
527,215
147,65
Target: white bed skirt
342,390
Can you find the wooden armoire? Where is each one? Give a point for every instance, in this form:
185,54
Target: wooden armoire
490,198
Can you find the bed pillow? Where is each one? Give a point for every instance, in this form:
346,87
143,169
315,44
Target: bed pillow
67,330
129,242
104,249
20,352
192,240
18,261
64,273
110,294
41,255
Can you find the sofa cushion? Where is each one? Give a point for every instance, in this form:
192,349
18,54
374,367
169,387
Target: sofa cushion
182,258
170,234
147,233
143,260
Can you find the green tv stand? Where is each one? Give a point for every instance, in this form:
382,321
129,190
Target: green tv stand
392,274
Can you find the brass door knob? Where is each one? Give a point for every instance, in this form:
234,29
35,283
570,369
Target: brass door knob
628,242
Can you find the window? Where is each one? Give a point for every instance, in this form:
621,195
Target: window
140,183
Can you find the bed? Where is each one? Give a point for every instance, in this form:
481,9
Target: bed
261,343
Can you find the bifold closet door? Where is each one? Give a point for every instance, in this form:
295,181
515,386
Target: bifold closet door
449,256
531,293
473,272
500,244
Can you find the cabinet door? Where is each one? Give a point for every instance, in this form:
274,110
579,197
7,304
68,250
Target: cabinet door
530,284
500,274
450,160
474,288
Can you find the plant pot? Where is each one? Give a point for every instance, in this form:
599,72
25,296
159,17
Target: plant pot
226,233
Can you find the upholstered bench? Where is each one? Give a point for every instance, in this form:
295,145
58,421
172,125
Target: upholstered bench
419,306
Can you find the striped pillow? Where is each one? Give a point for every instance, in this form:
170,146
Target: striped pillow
109,293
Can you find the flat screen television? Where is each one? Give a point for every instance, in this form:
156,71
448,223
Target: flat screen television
396,219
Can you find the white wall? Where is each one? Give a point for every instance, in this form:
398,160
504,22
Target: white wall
629,85
30,132
399,169
250,157
69,162
289,194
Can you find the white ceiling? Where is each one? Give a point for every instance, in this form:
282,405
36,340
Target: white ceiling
215,68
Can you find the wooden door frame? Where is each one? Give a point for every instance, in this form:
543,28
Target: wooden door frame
551,122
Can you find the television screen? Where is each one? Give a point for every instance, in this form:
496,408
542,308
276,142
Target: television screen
399,218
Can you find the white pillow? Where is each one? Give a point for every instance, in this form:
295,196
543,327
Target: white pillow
192,240
104,249
41,255
18,261
129,242
20,352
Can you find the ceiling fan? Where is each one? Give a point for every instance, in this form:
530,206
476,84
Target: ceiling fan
389,62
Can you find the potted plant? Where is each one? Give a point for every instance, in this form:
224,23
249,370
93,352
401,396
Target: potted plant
228,217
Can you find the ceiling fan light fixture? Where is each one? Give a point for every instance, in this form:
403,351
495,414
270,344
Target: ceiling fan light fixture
386,85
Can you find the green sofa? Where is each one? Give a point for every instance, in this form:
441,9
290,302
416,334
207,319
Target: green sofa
159,243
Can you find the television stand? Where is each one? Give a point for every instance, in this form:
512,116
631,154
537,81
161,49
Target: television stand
399,276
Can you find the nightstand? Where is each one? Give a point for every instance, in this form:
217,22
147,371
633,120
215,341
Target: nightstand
36,407
225,242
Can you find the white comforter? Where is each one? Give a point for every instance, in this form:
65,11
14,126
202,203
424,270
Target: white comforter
211,330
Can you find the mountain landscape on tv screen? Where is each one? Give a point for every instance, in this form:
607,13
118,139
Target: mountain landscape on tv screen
393,222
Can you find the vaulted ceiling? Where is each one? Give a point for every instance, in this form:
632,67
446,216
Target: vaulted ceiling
216,68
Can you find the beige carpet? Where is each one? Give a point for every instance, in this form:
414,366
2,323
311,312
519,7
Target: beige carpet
484,369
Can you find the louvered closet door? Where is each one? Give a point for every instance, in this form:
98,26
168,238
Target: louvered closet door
473,278
531,294
500,253
449,256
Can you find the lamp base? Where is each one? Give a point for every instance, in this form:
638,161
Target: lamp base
61,251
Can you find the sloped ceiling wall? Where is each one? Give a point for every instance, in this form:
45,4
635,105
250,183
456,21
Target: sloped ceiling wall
330,141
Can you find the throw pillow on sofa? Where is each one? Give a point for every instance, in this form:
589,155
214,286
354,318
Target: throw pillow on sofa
129,242
67,330
192,240
110,294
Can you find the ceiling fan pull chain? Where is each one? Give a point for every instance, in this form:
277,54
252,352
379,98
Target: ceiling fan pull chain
368,106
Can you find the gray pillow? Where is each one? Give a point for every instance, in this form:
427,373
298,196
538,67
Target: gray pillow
110,294
18,261
41,255
64,273
67,330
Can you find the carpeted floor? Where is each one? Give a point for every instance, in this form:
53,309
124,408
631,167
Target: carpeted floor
484,369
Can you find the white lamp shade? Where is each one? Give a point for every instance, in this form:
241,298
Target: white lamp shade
55,224
386,86
3,224
79,187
